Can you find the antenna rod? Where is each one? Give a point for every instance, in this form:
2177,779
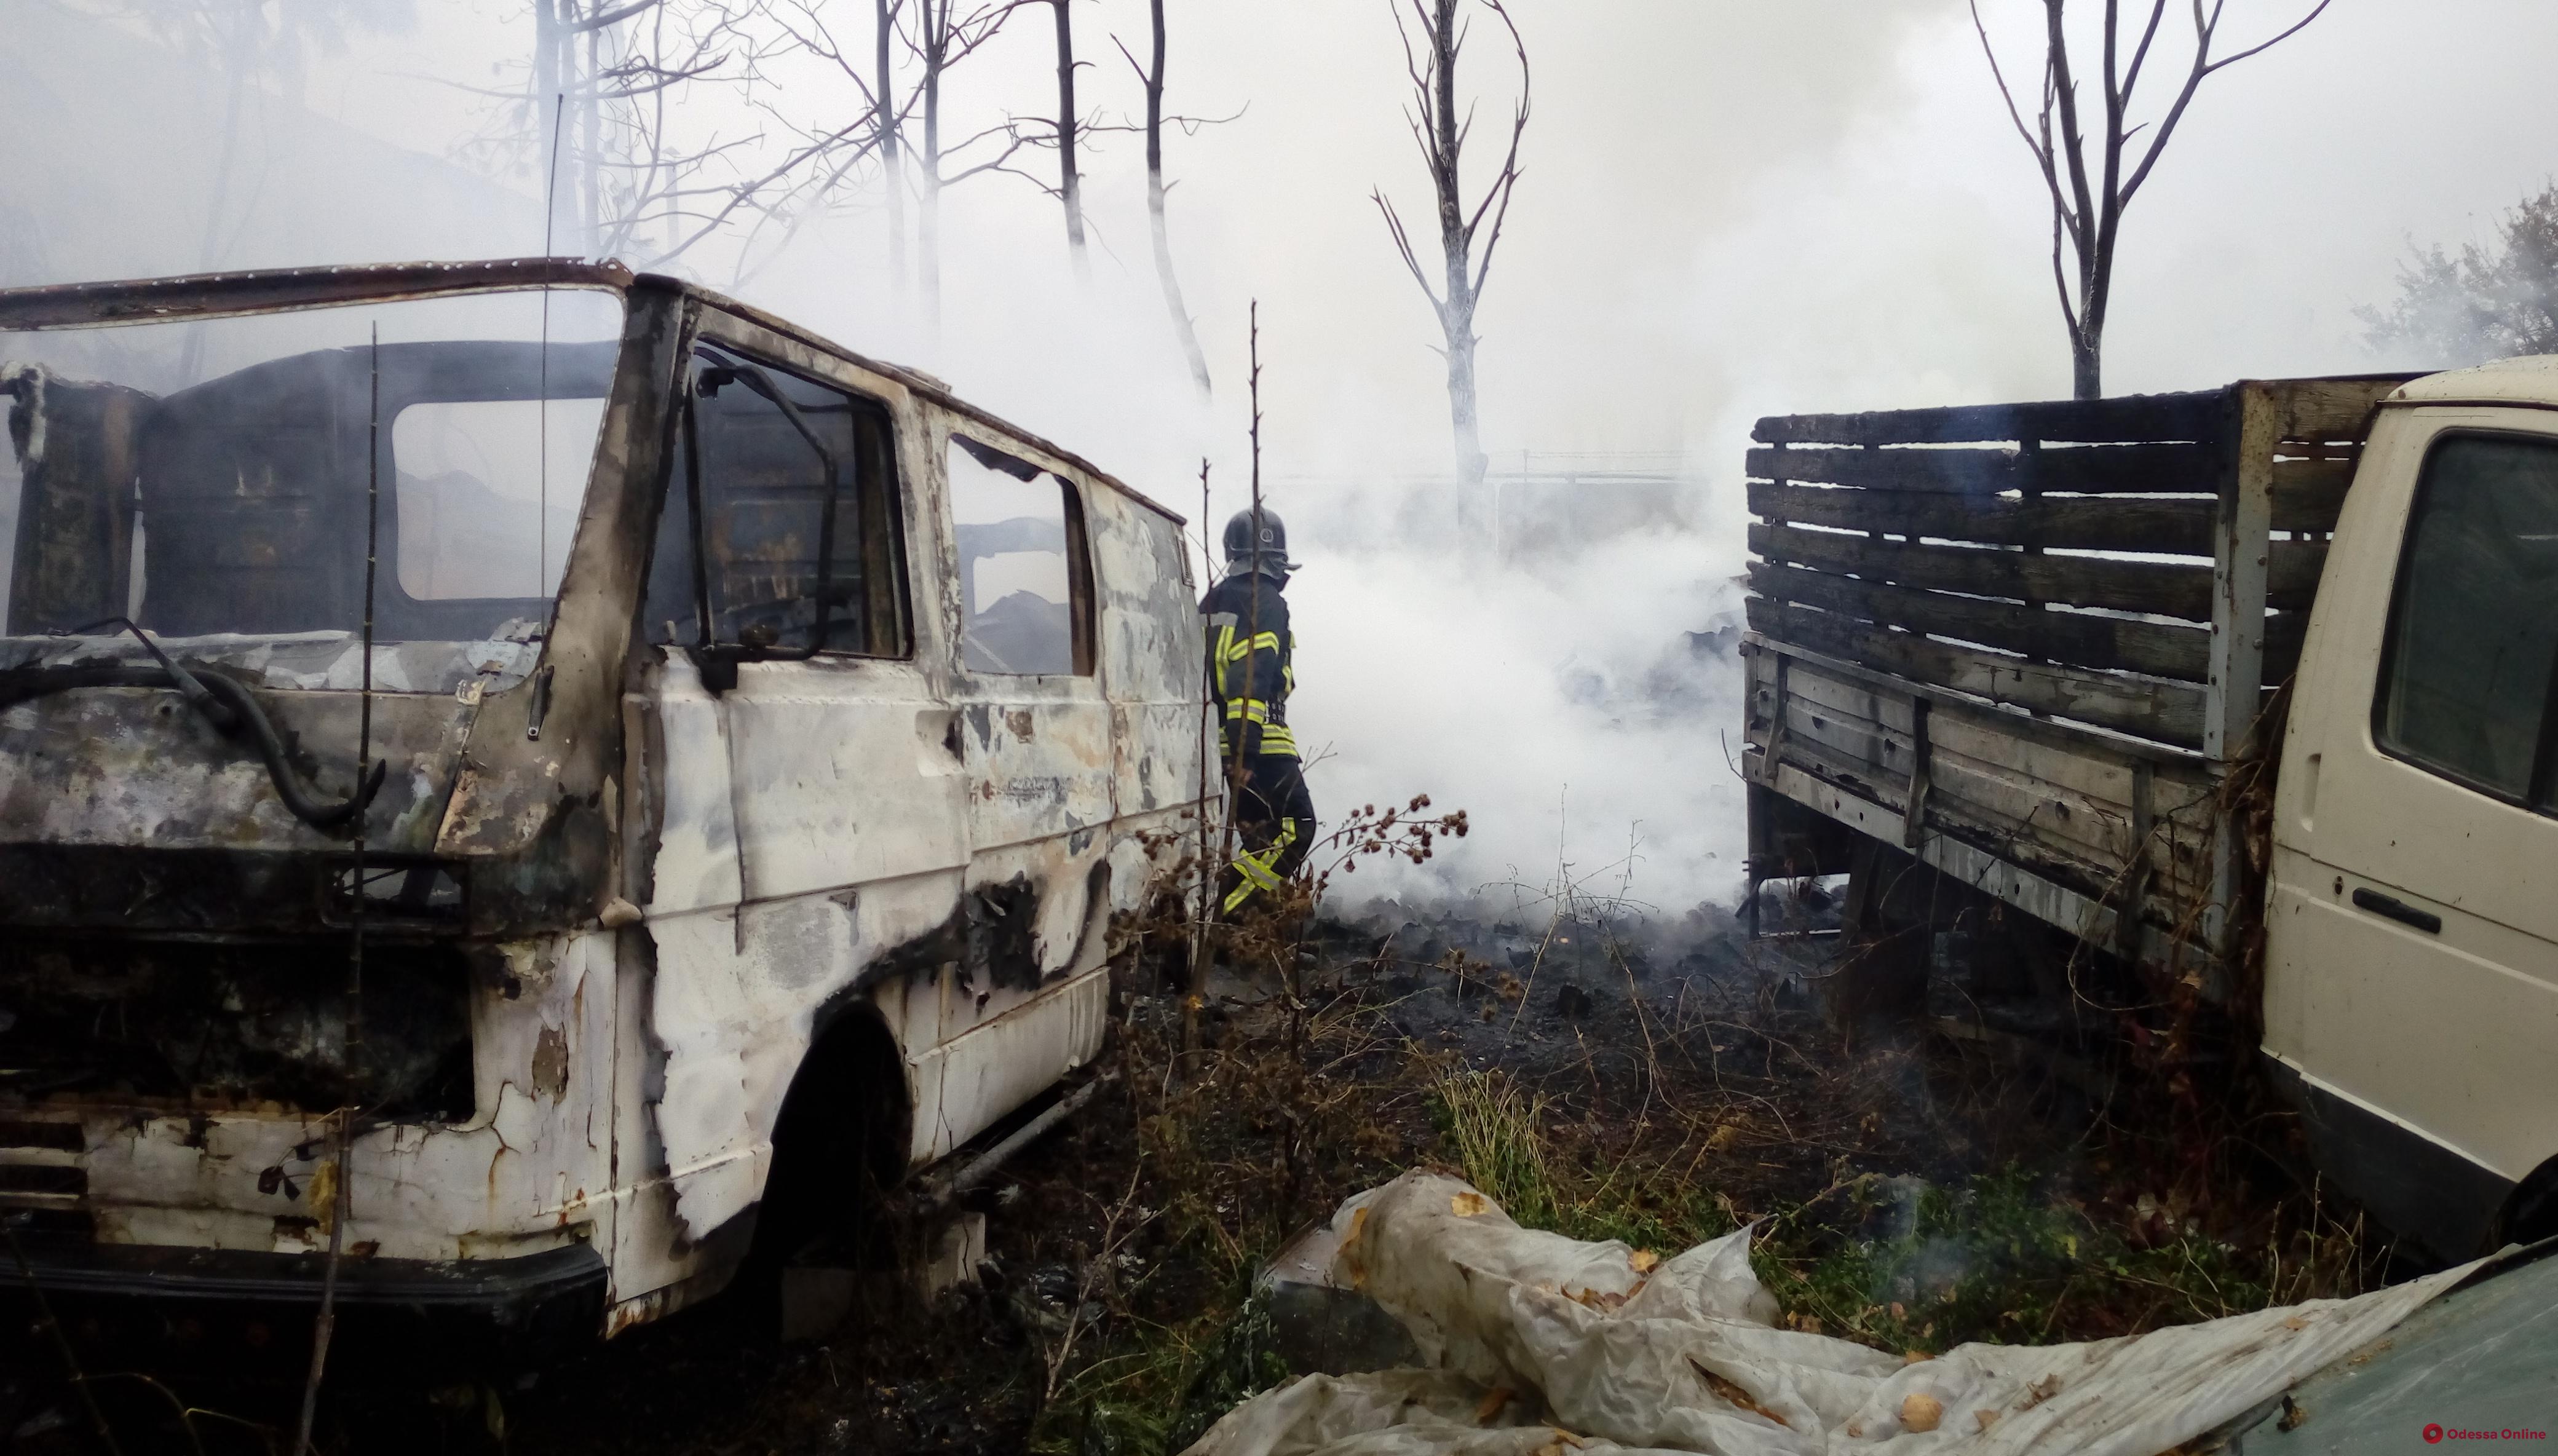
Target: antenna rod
543,423
342,1192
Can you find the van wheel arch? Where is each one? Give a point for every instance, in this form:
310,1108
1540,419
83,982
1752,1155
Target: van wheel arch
840,1139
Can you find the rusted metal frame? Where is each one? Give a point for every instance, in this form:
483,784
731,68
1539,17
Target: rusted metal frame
935,1191
199,296
921,384
2242,532
712,323
226,295
513,788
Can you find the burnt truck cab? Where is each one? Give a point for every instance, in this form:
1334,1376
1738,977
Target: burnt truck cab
754,746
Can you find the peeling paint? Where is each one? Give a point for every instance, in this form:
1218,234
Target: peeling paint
637,923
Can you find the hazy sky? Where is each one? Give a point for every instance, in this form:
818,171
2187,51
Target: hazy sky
1729,210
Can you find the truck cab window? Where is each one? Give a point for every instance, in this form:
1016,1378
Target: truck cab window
760,453
488,492
2465,674
1023,579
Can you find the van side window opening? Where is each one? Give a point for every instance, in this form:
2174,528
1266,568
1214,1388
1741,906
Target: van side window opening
2473,648
755,475
488,492
1024,582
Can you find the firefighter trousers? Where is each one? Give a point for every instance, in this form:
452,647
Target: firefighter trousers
1274,825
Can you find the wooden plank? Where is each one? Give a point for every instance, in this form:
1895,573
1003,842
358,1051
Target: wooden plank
2308,494
2142,417
1817,683
2078,639
1844,766
2014,806
2061,737
2086,469
1881,754
1942,472
2065,523
2336,408
2162,712
2168,588
1970,745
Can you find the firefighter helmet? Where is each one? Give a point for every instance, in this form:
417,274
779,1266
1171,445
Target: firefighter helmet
1264,549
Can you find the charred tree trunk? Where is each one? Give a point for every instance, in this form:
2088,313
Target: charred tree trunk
1069,185
1173,304
1440,127
2089,196
928,238
892,165
1456,244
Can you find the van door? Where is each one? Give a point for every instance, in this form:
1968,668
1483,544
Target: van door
2412,965
797,699
1036,732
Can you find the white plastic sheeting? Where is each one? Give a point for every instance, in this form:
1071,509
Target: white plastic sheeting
1543,1346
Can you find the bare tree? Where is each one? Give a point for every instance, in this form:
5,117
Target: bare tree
602,121
1153,77
1069,185
945,34
886,124
1467,235
616,71
2087,212
905,129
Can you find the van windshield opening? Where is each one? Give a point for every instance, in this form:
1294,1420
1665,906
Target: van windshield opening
210,479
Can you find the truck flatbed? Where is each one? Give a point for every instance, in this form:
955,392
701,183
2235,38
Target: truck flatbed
2033,646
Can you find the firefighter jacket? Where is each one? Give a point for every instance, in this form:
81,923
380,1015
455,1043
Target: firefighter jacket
1251,666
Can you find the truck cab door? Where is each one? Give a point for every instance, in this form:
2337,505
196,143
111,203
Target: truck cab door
2412,921
812,790
1036,733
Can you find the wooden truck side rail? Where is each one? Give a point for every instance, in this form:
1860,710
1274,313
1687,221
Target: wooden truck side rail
1939,663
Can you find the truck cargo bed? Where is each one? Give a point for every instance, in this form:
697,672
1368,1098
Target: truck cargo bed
2032,644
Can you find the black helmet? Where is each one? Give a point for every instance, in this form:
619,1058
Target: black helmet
1264,550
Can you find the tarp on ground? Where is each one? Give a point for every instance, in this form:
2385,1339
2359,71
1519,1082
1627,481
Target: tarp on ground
1538,1344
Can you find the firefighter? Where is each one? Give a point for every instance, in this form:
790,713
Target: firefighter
1250,670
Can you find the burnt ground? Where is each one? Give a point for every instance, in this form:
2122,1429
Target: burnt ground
1597,1074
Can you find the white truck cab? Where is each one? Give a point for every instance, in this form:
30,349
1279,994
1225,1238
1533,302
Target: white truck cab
2411,933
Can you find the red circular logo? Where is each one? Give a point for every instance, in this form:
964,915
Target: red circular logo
2433,1435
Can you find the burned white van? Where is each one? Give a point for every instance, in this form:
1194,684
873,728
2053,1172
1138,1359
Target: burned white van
754,746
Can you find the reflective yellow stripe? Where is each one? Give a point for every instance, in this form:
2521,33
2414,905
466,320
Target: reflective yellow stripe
1277,740
1237,651
1255,867
1249,707
1224,653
